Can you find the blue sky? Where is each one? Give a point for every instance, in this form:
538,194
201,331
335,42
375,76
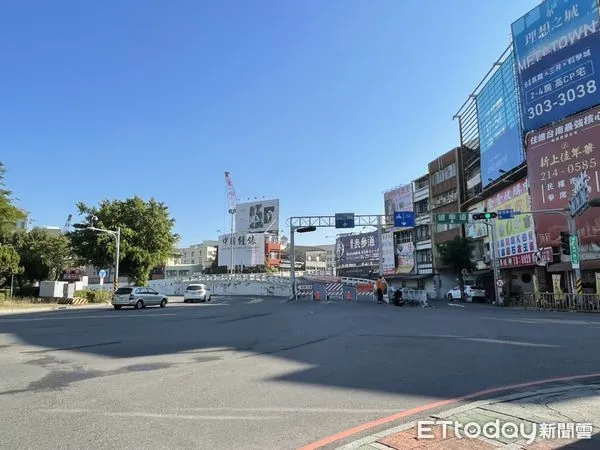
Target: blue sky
322,104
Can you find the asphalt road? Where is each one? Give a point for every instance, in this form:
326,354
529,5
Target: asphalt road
261,373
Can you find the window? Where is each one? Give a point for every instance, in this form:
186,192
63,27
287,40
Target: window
422,233
444,198
440,228
424,256
422,207
444,174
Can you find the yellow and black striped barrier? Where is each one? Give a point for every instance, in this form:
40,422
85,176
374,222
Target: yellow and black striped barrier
72,301
579,285
115,285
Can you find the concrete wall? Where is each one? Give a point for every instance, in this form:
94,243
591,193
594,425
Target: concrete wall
225,287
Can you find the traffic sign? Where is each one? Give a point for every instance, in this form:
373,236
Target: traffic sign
403,219
344,220
442,218
102,273
506,214
574,244
499,283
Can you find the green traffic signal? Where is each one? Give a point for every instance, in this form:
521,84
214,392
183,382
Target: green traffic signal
485,216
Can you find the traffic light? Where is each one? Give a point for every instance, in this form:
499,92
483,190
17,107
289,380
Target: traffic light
306,229
485,216
565,247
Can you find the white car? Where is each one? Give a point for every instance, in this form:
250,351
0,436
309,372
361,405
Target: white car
471,293
196,292
138,297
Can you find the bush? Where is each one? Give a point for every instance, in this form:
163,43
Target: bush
95,296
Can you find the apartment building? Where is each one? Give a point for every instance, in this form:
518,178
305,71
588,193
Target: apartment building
198,254
445,195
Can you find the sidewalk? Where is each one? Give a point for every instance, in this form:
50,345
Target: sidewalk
565,417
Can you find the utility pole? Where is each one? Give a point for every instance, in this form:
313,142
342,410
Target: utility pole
380,239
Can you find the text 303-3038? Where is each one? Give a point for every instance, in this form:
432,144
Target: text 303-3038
580,91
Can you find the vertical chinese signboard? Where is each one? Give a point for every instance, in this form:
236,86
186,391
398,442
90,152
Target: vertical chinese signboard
516,242
405,257
557,47
499,124
399,199
387,247
555,156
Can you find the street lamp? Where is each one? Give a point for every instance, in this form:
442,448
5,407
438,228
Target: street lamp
116,235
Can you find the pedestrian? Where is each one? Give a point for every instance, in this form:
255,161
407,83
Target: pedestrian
380,282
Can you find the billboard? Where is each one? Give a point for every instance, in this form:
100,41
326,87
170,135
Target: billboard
405,257
248,249
357,248
257,217
399,199
555,156
499,124
557,48
387,247
516,242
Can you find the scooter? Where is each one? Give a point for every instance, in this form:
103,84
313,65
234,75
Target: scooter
397,299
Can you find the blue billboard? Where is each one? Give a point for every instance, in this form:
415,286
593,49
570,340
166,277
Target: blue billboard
499,124
557,47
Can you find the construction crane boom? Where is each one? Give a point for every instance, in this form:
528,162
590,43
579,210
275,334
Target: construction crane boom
67,226
231,195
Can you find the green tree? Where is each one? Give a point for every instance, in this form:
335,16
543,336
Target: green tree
147,238
9,263
9,213
42,254
457,255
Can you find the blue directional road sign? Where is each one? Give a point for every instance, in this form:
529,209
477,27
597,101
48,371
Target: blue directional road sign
344,220
102,273
506,214
403,219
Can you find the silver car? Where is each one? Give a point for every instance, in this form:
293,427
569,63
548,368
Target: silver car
138,297
196,292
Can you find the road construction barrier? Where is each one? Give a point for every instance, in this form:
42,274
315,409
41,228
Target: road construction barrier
320,292
349,293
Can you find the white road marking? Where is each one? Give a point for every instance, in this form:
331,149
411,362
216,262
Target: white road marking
255,300
155,415
294,410
505,342
458,306
116,315
547,321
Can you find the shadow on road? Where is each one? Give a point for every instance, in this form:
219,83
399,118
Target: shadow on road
427,353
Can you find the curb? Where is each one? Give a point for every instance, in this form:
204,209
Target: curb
14,311
373,438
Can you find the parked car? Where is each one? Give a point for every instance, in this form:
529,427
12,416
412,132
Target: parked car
472,294
138,297
196,292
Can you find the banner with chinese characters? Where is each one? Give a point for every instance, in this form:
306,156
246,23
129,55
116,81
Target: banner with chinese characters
555,156
248,249
516,241
557,46
405,257
399,199
357,248
387,247
556,286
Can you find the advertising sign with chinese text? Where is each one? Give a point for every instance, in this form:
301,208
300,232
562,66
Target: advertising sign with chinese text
248,249
516,241
257,217
499,123
557,48
405,257
357,248
387,247
556,155
399,199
